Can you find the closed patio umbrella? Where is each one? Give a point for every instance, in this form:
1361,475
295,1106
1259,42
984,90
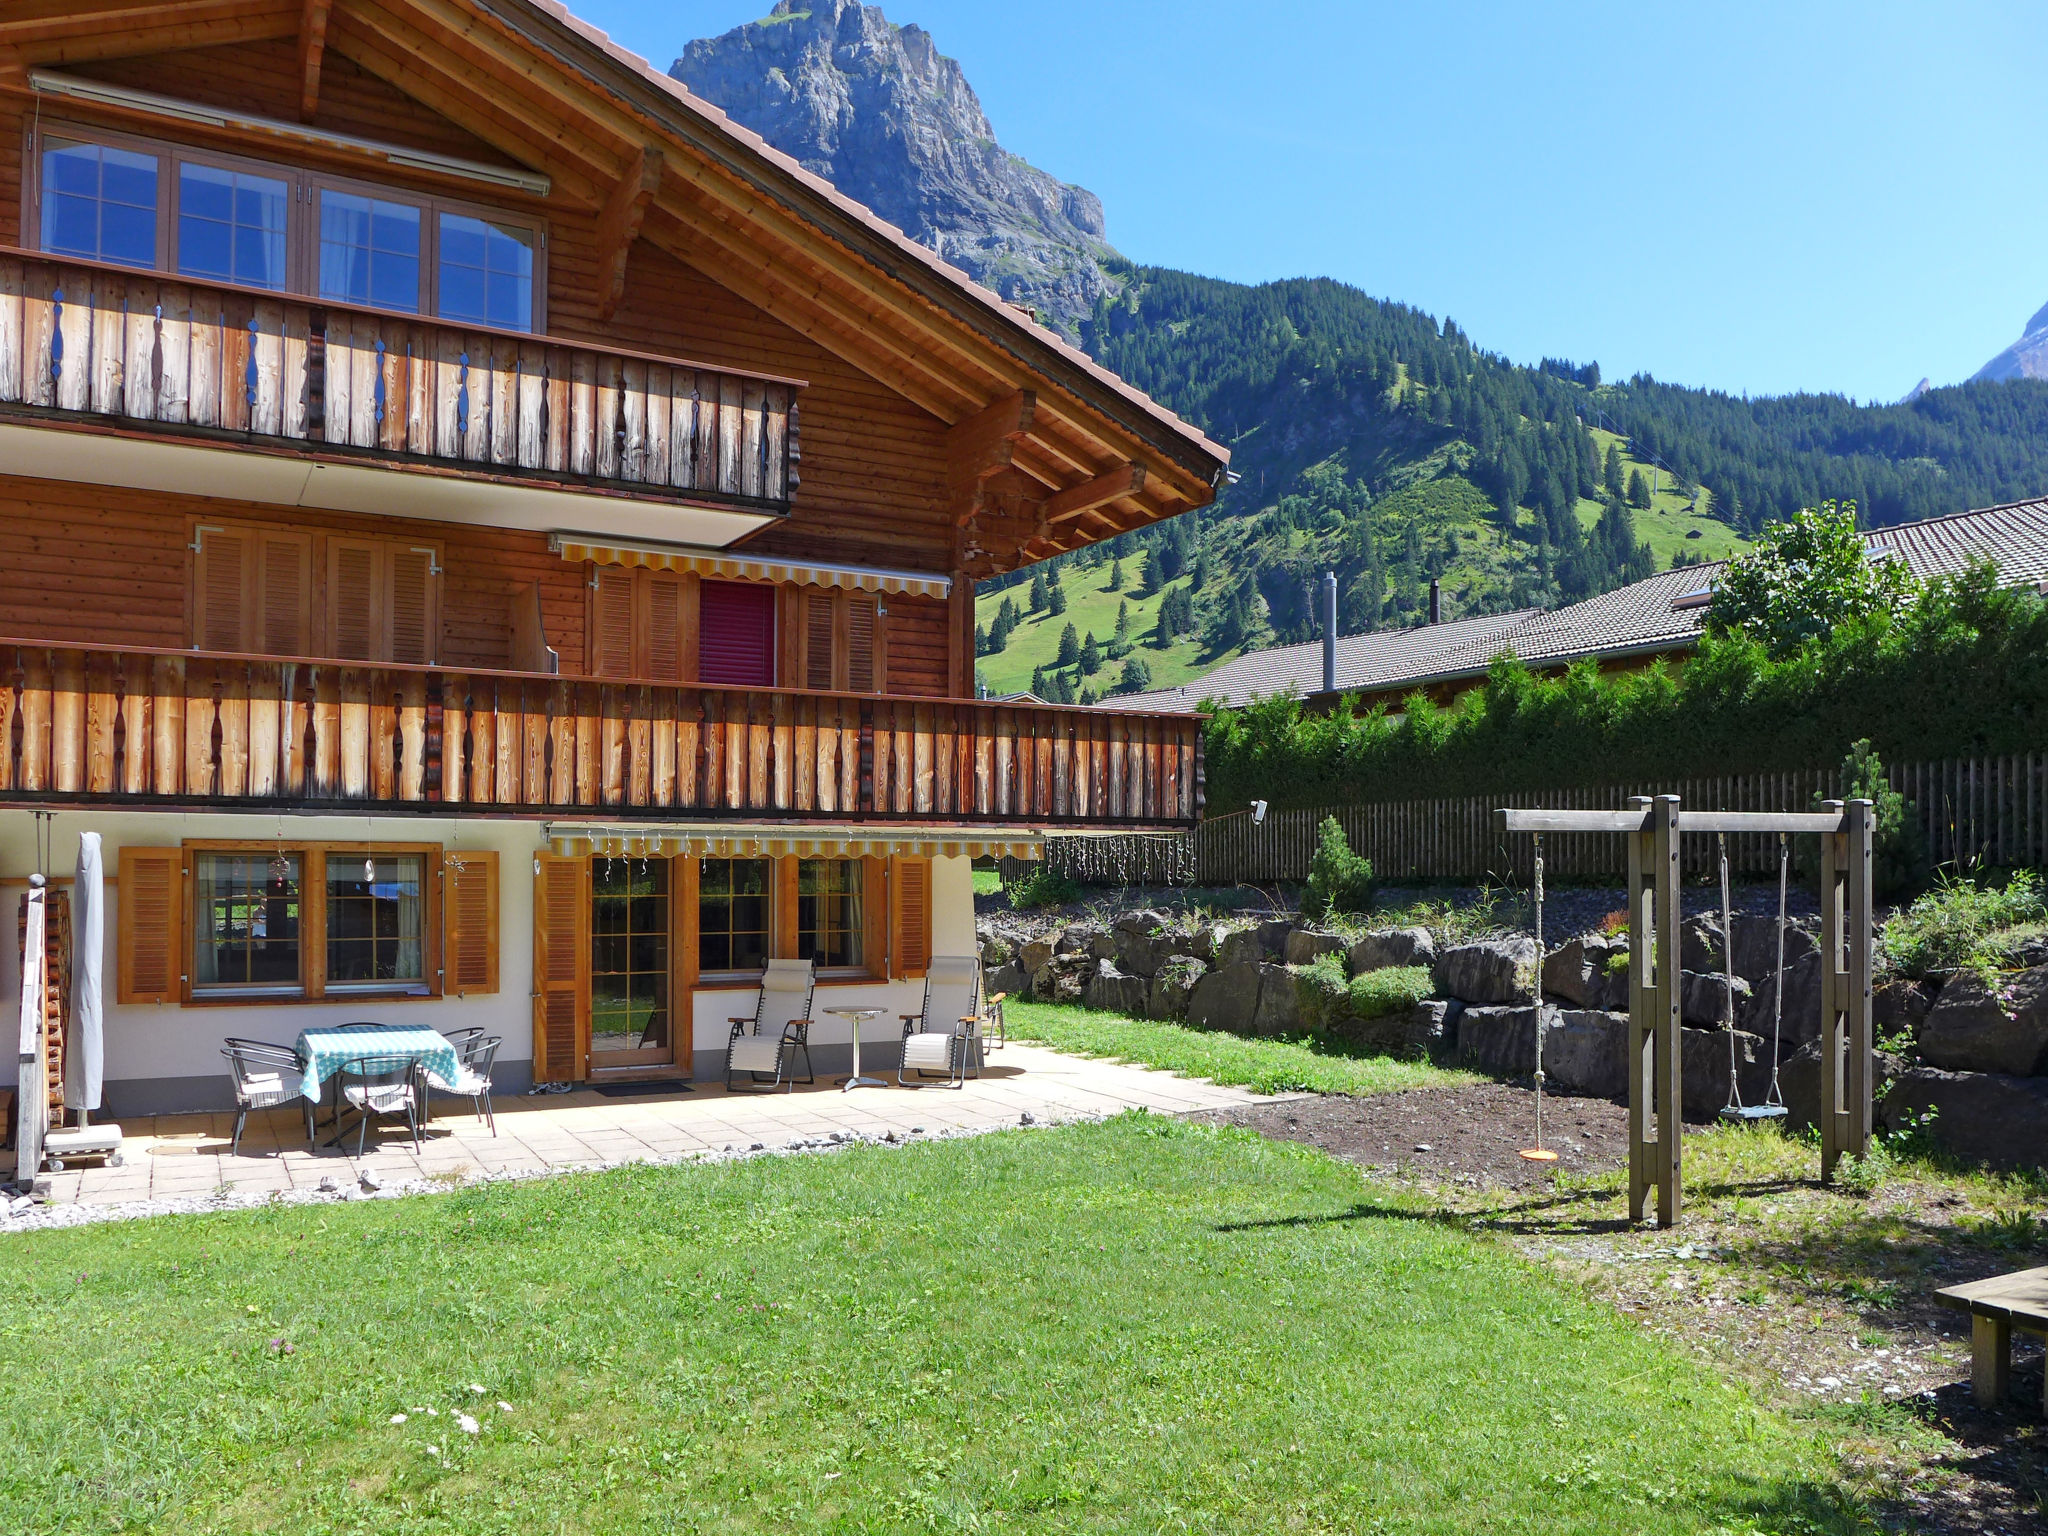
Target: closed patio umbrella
85,1047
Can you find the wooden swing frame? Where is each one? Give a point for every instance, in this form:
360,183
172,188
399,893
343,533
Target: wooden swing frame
1656,1096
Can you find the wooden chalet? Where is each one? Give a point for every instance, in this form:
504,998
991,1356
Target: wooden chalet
481,527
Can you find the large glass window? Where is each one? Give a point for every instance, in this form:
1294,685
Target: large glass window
732,915
100,202
369,250
246,921
486,272
375,920
629,959
830,911
231,225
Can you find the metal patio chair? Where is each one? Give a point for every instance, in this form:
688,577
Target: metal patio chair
265,1076
472,1079
945,1038
768,1044
387,1085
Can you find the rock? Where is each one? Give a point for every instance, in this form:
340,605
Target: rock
1110,990
1703,995
1587,1052
1576,971
1069,981
1034,954
1500,1039
1010,980
1489,971
1079,939
1027,1118
1206,942
1426,1029
1227,998
1144,922
1899,1007
1704,1062
1756,946
370,1180
995,951
1802,1003
1279,1010
1103,946
1391,946
1973,1027
1240,946
1305,944
1987,1117
1141,954
1172,985
1273,936
1699,942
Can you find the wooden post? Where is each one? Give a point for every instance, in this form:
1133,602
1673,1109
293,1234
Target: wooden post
1655,1083
1845,916
1834,978
1990,1359
1670,1097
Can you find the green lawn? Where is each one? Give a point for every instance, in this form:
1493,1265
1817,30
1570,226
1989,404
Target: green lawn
1136,1326
1270,1066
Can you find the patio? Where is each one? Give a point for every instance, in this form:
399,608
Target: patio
187,1155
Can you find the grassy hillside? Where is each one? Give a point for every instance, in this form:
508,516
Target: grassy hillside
1091,608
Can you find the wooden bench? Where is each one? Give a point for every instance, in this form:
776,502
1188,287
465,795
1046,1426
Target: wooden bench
1996,1307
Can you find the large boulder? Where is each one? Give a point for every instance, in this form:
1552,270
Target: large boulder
1578,972
1080,939
1305,944
1273,936
1704,1058
1143,920
1899,1007
1141,953
1034,955
1109,989
1799,1083
1279,1010
1425,1029
996,949
1489,971
1172,985
1756,946
1587,1052
1240,946
1500,1038
1206,941
1391,946
1802,1003
1988,1117
1010,980
1979,1027
1226,998
1702,995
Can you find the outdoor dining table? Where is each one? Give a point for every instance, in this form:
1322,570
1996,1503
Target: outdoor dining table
326,1051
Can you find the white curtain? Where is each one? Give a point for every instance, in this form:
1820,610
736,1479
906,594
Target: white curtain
411,967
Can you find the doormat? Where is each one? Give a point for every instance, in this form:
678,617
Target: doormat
636,1090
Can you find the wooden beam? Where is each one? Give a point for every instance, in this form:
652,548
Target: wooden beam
618,225
1124,480
86,40
983,444
312,48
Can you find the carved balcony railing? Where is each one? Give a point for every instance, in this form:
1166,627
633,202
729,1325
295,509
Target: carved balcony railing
177,728
166,355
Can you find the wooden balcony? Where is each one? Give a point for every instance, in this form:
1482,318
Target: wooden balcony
167,357
181,729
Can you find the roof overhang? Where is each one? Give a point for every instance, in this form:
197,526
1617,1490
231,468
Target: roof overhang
741,566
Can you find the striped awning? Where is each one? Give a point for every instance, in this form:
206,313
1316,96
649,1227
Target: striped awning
733,566
720,840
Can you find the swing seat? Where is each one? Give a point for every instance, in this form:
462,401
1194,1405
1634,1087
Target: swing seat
1753,1112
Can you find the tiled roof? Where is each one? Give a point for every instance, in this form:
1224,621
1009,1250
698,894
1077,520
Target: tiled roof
1630,620
1365,661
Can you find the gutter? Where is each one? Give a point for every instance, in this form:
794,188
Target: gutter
1462,674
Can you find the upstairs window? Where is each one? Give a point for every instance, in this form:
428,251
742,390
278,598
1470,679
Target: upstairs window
217,218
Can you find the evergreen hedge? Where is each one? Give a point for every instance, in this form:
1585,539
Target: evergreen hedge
1961,671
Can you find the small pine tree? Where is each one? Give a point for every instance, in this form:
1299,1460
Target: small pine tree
1610,475
1091,656
1638,491
980,640
1057,598
1338,879
1038,684
1041,597
1137,677
1123,620
1148,572
1898,851
1070,647
1116,575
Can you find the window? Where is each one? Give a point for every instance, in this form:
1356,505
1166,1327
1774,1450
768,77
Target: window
251,589
636,623
839,641
736,634
246,922
321,920
375,921
231,225
732,915
628,960
383,600
830,912
142,203
100,201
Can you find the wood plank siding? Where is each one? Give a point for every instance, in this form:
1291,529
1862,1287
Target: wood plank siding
169,728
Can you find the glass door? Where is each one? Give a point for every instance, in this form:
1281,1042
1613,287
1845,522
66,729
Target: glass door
631,1022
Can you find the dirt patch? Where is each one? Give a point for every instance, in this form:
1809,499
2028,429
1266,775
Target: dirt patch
1820,1297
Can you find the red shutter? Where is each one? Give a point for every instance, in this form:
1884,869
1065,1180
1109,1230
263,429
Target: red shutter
736,643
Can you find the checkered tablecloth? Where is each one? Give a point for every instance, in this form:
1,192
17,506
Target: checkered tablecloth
326,1051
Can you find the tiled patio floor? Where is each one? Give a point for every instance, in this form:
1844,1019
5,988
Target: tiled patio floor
187,1155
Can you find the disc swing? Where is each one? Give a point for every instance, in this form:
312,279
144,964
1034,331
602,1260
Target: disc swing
1539,1153
1773,1106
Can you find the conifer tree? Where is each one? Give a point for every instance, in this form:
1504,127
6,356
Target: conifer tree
1123,619
1610,478
1041,598
1091,656
1116,575
1057,602
1070,647
1638,490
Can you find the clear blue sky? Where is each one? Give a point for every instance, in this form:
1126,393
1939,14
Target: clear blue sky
1751,196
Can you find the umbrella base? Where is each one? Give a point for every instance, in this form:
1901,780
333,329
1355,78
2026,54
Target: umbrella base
83,1141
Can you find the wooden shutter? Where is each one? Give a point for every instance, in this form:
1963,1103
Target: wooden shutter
664,661
149,951
283,601
860,643
561,967
251,590
611,621
910,916
736,634
818,647
412,616
220,589
355,617
469,924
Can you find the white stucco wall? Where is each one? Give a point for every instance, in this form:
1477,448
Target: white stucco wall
163,1045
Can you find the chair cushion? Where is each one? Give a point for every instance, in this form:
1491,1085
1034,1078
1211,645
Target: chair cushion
930,1051
386,1099
755,1053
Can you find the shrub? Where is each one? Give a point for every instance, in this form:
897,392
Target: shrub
1898,851
1956,925
1043,887
1805,579
1339,881
1391,989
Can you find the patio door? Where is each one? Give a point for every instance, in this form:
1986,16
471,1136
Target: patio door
632,1012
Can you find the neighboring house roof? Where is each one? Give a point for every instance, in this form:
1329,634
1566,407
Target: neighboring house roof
1664,612
1364,661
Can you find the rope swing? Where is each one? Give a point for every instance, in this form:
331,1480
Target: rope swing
1773,1106
1539,1153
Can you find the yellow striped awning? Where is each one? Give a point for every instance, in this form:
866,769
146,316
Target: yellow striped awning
720,840
733,566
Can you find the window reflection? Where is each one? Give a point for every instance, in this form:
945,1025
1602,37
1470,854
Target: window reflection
231,225
100,202
486,272
369,251
246,917
374,919
732,915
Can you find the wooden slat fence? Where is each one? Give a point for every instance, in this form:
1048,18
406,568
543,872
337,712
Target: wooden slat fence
137,347
1991,811
188,728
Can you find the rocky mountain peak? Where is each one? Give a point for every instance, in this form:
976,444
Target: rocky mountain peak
876,109
2026,358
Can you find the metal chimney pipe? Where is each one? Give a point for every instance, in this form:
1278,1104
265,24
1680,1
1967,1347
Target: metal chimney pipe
1436,601
1329,631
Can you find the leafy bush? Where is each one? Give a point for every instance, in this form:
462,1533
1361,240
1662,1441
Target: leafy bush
1806,578
1898,851
1339,881
1391,989
1043,887
1958,924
